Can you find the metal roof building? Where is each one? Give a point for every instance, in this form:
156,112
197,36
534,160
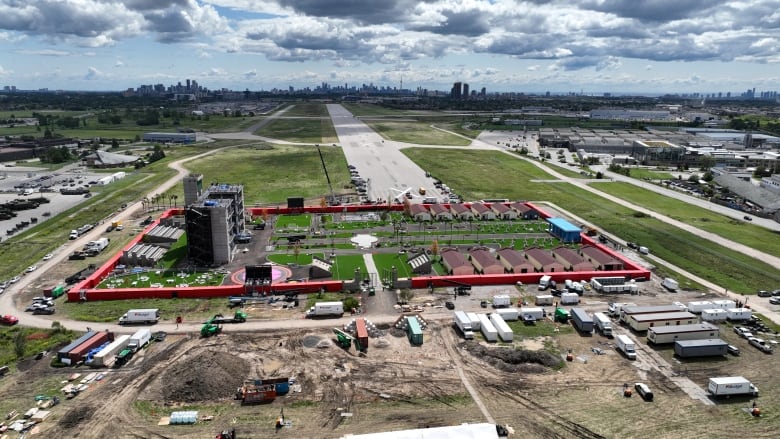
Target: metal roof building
564,230
463,431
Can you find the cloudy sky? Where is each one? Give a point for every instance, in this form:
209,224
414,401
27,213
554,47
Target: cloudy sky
593,46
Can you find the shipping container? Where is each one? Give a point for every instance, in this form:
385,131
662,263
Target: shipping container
62,354
508,314
714,315
487,328
414,331
504,331
80,352
627,311
708,347
106,357
581,320
643,322
362,333
671,334
501,301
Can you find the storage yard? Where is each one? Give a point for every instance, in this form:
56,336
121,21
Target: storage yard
398,384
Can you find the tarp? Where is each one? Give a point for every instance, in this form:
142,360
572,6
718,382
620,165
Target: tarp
465,431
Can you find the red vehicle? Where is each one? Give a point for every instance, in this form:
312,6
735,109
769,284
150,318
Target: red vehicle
8,320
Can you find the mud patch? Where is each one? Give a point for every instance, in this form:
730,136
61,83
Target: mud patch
206,376
513,360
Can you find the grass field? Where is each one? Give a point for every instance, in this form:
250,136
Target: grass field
307,109
649,174
271,174
344,266
32,341
162,278
465,172
360,110
415,132
110,310
385,261
300,130
302,221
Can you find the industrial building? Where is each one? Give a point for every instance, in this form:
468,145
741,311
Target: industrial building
185,138
564,230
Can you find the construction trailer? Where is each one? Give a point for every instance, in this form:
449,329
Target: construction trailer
700,305
486,327
739,313
643,322
628,311
708,347
504,331
531,313
714,315
671,334
723,304
414,331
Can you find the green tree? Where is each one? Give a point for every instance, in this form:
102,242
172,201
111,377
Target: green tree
20,343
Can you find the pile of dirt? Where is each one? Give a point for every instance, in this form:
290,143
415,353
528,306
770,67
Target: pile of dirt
210,375
513,360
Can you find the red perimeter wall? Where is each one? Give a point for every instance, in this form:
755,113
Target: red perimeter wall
88,285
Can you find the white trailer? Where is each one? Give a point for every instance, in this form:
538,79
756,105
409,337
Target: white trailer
731,386
139,339
474,320
714,315
671,334
627,311
504,331
105,358
724,304
508,314
326,309
699,306
670,284
502,301
739,313
616,308
149,316
532,313
643,322
570,298
544,282
486,327
624,344
545,299
463,323
603,324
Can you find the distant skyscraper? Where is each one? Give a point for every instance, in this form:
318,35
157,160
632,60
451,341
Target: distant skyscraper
455,93
465,91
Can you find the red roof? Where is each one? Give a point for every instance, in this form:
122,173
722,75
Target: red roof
479,207
459,208
500,208
454,259
414,209
512,256
598,255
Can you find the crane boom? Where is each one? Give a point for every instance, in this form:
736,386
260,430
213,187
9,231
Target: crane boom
325,168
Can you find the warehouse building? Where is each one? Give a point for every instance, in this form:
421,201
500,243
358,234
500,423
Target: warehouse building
542,261
456,264
485,262
514,262
185,138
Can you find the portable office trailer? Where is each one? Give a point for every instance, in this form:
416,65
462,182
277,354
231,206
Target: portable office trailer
474,318
581,320
504,331
699,306
739,313
627,311
643,322
531,312
545,299
508,314
724,304
414,331
709,347
671,334
714,315
486,327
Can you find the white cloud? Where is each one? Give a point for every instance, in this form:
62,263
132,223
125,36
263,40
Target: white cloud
93,74
119,63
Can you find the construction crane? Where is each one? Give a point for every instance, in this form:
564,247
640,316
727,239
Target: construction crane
332,201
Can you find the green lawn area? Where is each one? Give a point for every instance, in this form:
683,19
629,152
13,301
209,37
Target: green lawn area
287,221
301,130
650,174
344,266
270,174
163,278
385,261
176,253
32,341
110,310
307,109
465,172
360,110
736,230
304,258
419,133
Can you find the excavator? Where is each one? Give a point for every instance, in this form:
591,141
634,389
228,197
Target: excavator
345,340
213,326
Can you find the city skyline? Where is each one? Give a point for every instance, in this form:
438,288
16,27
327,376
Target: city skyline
586,46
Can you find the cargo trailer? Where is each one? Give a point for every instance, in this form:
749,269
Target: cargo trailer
708,347
602,324
139,339
643,322
508,314
570,298
474,318
731,386
362,333
671,334
80,352
106,357
530,313
581,320
62,354
326,309
670,284
544,300
627,310
486,327
714,315
502,301
724,304
463,323
739,313
504,331
414,331
699,306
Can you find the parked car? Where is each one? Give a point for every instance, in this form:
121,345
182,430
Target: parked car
776,293
747,218
761,344
774,300
764,293
47,311
8,320
35,306
449,305
32,268
733,350
48,256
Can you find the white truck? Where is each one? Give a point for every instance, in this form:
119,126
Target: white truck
502,301
140,316
670,284
544,282
603,324
625,345
463,323
326,309
139,339
731,386
96,246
